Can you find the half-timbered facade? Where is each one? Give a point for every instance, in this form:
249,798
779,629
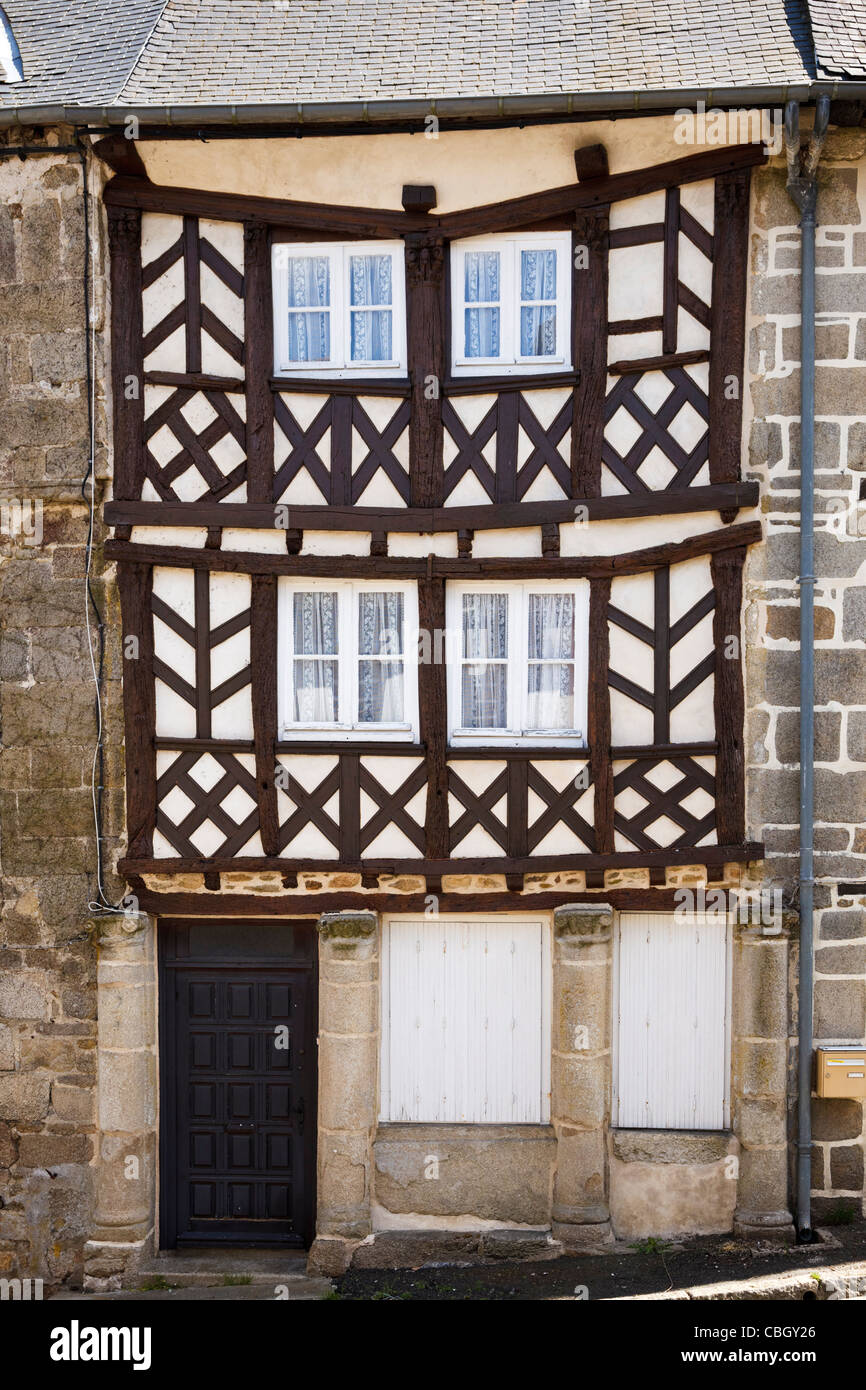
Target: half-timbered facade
429,530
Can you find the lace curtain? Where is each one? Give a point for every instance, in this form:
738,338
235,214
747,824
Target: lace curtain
550,703
309,286
537,321
481,271
380,663
370,284
316,668
484,676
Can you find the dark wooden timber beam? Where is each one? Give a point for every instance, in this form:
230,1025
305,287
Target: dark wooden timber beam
311,904
135,584
259,353
263,685
728,327
127,334
540,864
728,696
121,156
495,516
384,222
598,732
529,567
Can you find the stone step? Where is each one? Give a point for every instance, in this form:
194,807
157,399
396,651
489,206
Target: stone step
220,1268
299,1290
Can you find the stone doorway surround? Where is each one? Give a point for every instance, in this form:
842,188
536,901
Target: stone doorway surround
124,1230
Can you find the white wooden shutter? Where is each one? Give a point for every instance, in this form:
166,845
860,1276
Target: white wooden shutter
466,1020
673,1034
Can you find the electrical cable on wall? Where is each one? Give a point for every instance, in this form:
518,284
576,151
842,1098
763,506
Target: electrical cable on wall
88,492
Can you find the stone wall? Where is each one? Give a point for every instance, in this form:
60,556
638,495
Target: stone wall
47,957
771,612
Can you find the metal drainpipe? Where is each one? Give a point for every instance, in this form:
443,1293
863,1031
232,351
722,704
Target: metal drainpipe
803,188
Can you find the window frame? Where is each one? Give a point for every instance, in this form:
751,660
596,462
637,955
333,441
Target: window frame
340,365
348,659
517,659
512,362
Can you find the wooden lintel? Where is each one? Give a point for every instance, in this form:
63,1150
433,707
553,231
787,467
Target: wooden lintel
313,904
382,222
494,516
439,567
531,864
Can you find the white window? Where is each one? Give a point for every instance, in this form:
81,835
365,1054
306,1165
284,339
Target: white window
339,309
517,662
672,1065
466,1020
346,670
511,304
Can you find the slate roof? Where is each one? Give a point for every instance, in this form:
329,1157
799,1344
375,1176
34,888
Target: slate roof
839,35
251,51
138,53
76,51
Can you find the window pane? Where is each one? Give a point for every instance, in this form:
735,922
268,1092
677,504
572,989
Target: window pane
371,336
484,704
316,690
380,624
538,275
551,696
370,279
316,624
309,281
380,692
482,333
310,337
485,625
551,626
538,331
481,276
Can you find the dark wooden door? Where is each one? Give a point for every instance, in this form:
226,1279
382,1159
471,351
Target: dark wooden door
238,1082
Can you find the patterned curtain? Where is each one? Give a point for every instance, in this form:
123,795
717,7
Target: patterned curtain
537,321
316,671
482,286
484,676
370,284
380,680
309,282
551,662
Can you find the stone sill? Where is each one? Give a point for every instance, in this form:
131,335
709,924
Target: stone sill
670,1145
403,1132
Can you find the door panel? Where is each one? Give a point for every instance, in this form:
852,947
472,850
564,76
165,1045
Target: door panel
238,1082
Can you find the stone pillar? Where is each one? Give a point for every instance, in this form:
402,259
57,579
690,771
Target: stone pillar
127,1084
759,1075
348,1084
581,1071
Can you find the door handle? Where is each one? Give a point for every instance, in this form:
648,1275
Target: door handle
300,1111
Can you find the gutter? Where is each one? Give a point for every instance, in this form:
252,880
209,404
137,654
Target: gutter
557,106
803,189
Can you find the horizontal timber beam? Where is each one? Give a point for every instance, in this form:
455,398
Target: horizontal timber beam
124,191
361,566
548,863
259,516
209,904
